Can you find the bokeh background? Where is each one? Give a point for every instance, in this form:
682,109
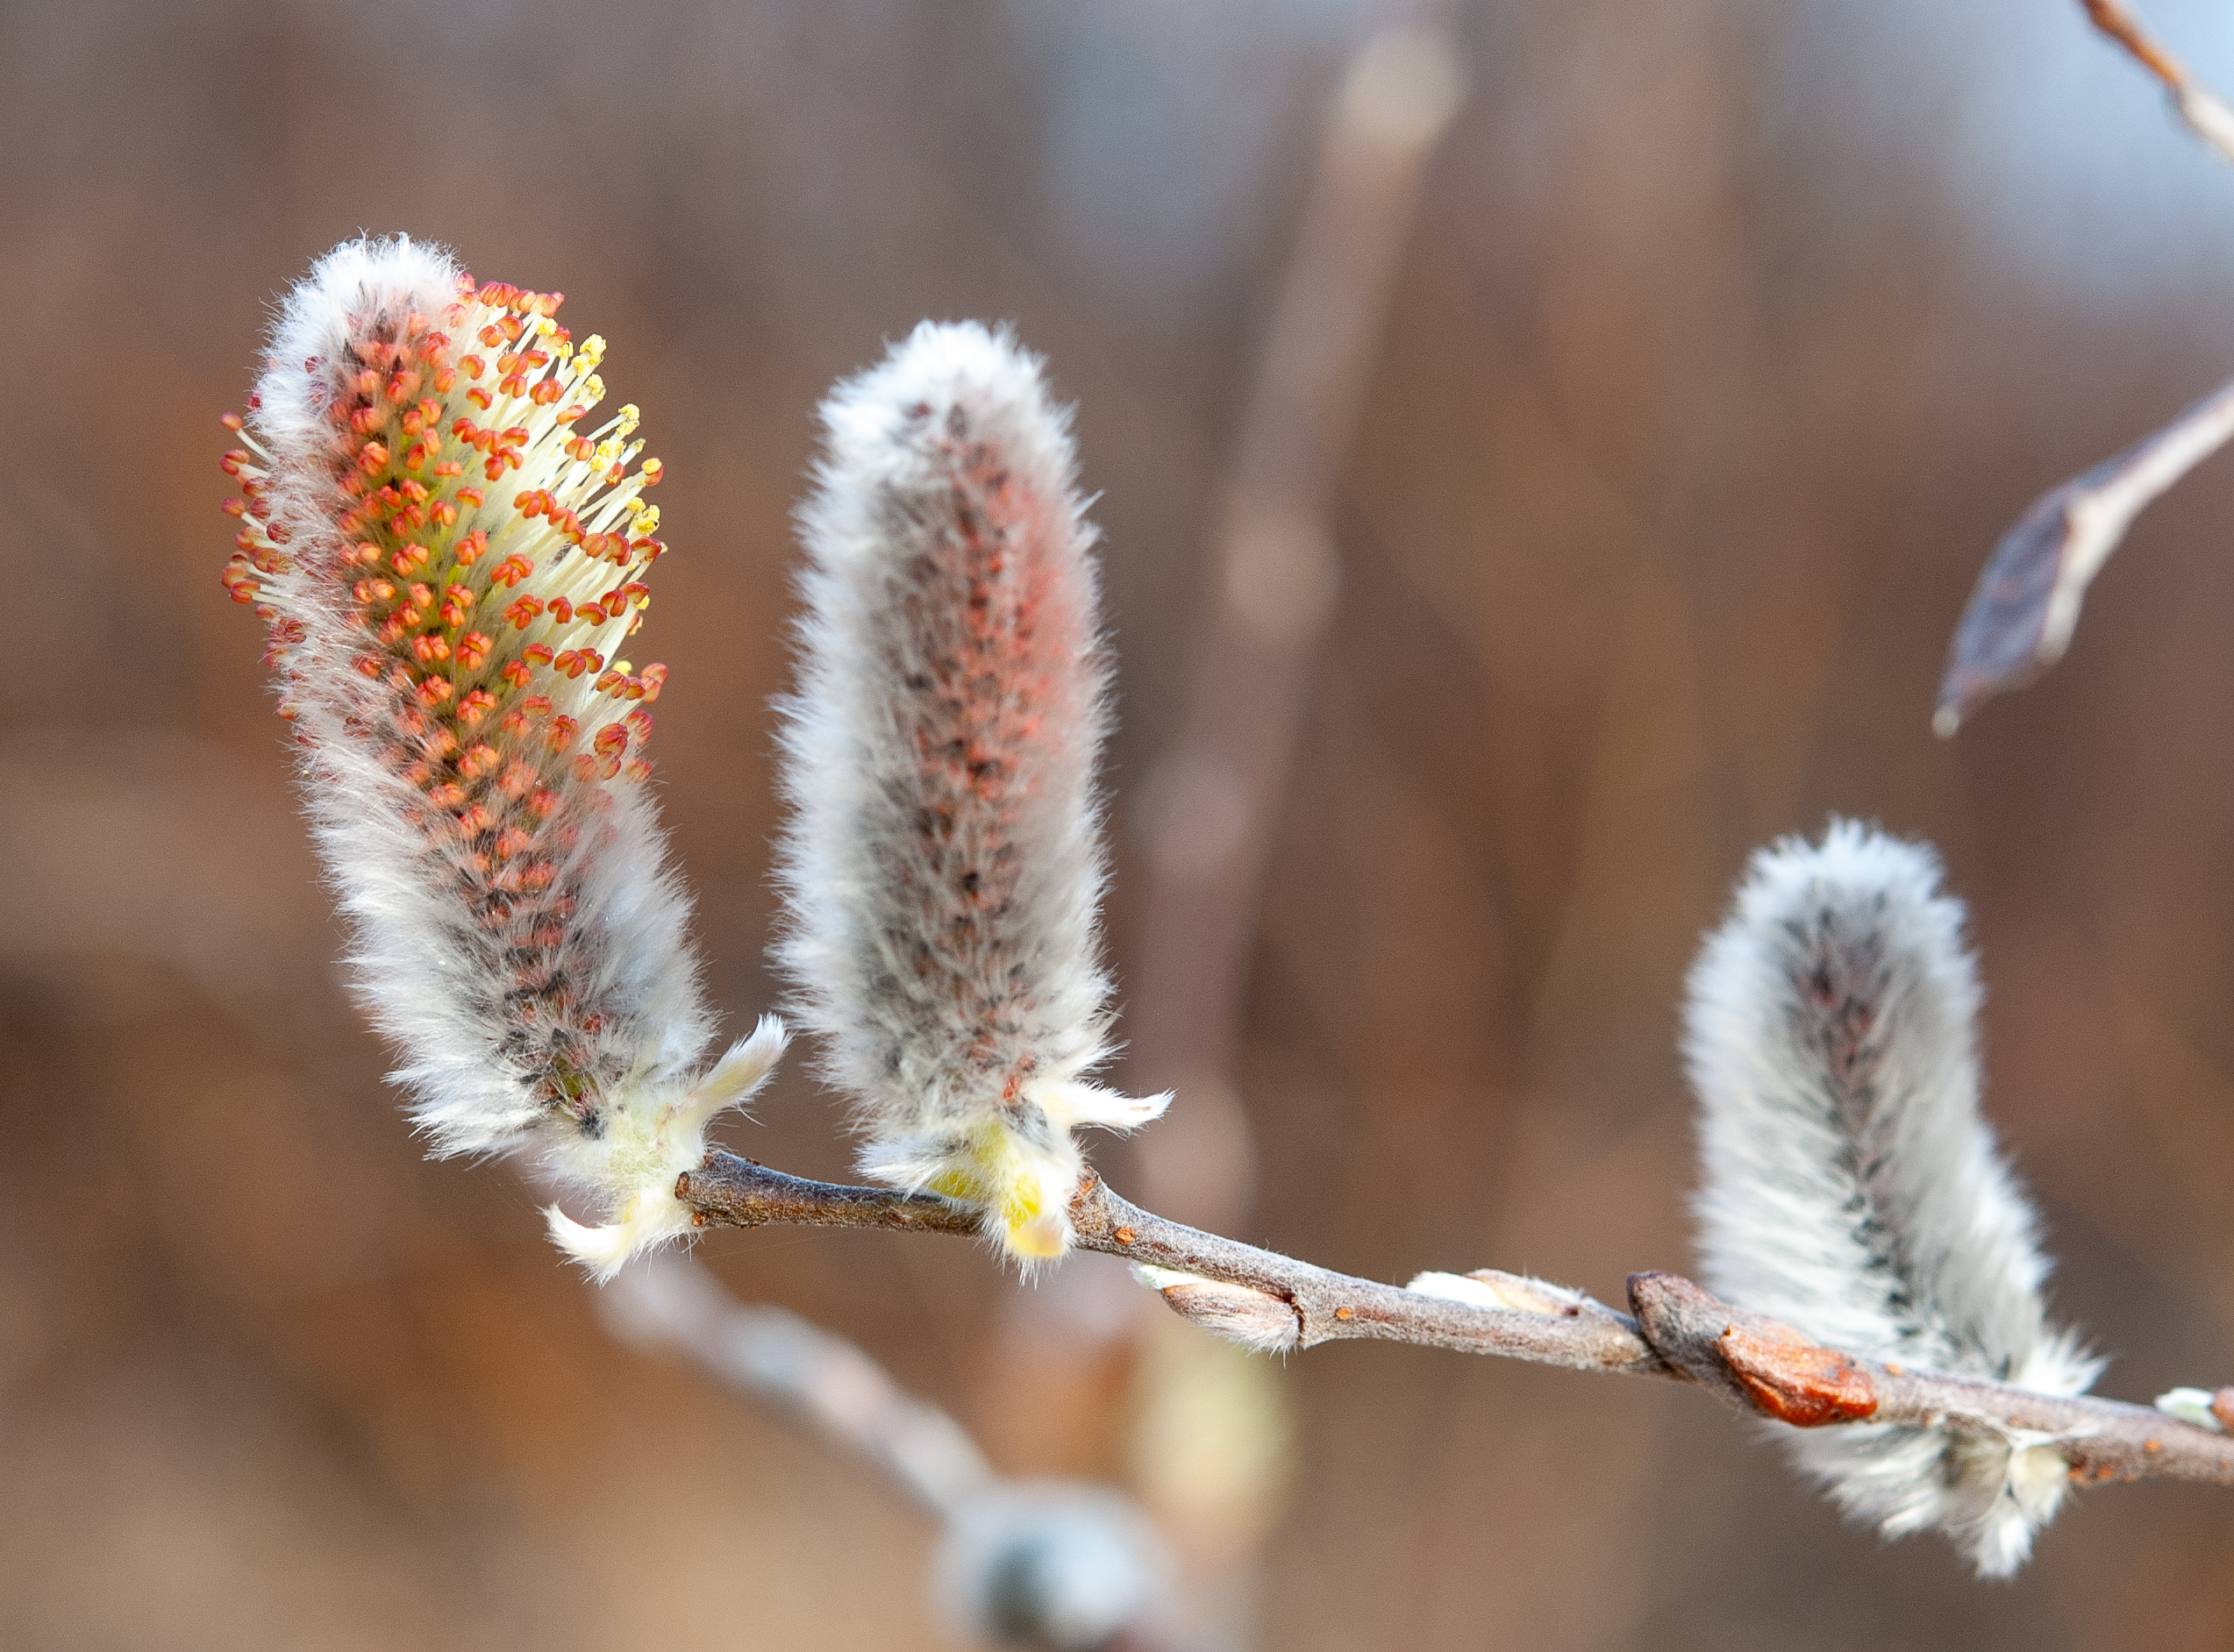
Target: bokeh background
1726,338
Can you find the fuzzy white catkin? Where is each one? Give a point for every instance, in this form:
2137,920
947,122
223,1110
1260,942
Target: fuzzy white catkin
943,865
1850,1187
472,769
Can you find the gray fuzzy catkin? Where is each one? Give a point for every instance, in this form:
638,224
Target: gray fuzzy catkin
1850,1187
943,866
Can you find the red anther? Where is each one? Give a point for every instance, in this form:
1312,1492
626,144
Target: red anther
523,611
592,660
529,502
434,690
353,485
415,491
578,447
445,516
508,363
429,649
472,649
476,820
365,553
611,738
374,459
481,759
473,496
510,842
514,435
639,722
476,705
494,293
634,589
568,415
545,393
366,420
493,467
651,470
653,677
444,377
421,596
449,795
563,728
569,662
448,467
404,386
590,614
615,471
441,744
516,673
480,397
493,336
457,602
475,365
468,549
367,383
637,769
233,460
513,384
650,550
367,666
511,328
561,610
517,778
409,557
243,590
537,653
611,681
231,421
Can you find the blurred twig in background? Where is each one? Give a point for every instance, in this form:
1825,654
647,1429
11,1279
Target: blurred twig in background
2021,615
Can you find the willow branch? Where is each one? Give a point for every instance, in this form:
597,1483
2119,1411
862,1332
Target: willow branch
2205,112
1676,1330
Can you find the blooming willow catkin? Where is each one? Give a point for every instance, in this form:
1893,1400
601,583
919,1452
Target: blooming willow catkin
448,562
943,866
1851,1186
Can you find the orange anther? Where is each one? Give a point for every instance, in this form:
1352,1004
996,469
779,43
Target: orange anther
374,459
231,421
472,649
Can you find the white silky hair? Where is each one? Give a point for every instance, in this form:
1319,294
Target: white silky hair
944,865
1851,1186
434,979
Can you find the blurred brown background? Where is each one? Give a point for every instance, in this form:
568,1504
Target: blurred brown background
1730,336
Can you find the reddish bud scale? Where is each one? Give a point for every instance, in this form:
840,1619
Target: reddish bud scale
420,619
